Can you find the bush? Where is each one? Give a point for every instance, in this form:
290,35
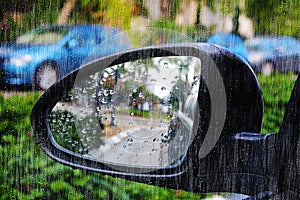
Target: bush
72,137
166,24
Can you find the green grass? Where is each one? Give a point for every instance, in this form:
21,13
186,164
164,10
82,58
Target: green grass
276,92
27,173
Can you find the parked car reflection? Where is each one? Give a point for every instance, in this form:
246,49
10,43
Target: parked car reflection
231,41
267,54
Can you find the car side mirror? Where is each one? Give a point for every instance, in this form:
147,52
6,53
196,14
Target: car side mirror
183,116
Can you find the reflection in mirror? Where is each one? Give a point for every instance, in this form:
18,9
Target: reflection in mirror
137,113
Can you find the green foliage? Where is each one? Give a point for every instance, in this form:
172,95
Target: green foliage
197,33
135,112
166,24
34,14
270,17
109,12
174,8
225,6
276,92
13,112
275,17
76,137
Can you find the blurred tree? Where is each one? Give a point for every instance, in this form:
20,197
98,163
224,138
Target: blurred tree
275,17
10,9
270,17
13,6
225,6
116,12
66,11
18,16
108,12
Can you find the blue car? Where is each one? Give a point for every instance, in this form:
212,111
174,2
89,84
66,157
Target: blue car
267,54
44,55
231,41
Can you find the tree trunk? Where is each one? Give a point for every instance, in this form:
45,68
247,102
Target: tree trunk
66,11
165,8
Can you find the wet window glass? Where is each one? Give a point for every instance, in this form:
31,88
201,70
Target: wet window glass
136,113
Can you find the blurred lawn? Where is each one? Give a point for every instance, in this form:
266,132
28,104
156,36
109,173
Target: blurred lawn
276,92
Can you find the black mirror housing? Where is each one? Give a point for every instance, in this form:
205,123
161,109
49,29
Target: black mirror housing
239,156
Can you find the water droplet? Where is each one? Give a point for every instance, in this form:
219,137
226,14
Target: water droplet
103,101
155,140
141,95
106,93
180,138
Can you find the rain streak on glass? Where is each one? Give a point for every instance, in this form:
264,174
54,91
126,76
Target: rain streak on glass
137,113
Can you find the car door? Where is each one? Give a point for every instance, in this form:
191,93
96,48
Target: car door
286,55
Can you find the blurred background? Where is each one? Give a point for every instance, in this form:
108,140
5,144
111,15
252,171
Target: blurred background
195,18
26,173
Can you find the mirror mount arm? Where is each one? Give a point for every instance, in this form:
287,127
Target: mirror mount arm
250,159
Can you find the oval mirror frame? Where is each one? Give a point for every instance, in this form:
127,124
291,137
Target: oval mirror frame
139,114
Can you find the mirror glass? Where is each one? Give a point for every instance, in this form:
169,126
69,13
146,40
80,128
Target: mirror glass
138,113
